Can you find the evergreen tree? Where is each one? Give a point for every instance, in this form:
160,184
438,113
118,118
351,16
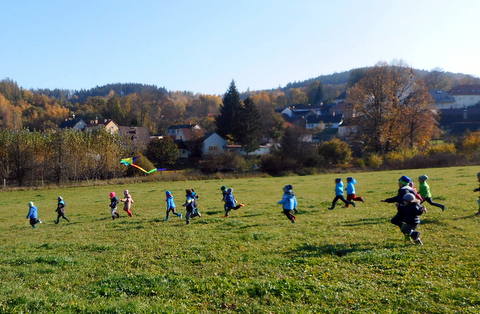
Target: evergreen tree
315,93
229,111
248,127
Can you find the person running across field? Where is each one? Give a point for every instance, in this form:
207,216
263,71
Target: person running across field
426,193
231,202
409,211
113,205
33,215
351,196
289,203
171,206
128,203
190,205
60,210
339,194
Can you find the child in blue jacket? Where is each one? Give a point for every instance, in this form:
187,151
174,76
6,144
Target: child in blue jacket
351,196
339,194
171,205
231,202
33,215
289,203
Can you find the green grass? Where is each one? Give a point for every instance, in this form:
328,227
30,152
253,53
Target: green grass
349,259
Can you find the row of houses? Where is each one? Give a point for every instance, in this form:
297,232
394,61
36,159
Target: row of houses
459,109
139,136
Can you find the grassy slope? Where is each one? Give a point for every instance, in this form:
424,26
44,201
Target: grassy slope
346,259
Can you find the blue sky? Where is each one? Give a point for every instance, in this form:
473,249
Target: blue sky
201,45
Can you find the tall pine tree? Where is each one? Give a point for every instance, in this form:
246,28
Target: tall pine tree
248,127
229,112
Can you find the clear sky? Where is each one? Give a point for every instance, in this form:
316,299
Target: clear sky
200,45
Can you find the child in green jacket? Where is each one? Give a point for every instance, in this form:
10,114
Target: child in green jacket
426,193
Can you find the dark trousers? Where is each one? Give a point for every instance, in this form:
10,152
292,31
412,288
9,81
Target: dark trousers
340,197
61,214
172,209
228,209
429,201
33,222
289,214
410,230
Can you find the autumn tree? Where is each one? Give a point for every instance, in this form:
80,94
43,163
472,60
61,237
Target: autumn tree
163,152
297,96
394,108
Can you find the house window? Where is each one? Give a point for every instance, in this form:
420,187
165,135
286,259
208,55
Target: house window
212,148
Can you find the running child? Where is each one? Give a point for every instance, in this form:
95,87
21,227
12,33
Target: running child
190,205
113,205
403,188
351,196
426,193
223,189
33,215
196,211
171,206
478,190
60,210
231,202
410,211
289,203
339,194
128,202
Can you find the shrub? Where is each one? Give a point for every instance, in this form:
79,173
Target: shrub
471,144
442,148
275,164
374,161
359,163
394,159
223,162
335,152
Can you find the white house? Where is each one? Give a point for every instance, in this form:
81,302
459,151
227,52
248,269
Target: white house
213,144
466,95
260,151
108,125
73,123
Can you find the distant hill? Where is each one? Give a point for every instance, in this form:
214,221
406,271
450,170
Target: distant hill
347,77
338,80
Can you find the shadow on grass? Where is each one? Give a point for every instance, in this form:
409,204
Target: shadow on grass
364,221
251,215
213,212
432,222
250,226
340,250
465,217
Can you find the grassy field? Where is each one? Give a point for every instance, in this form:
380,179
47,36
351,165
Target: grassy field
348,259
